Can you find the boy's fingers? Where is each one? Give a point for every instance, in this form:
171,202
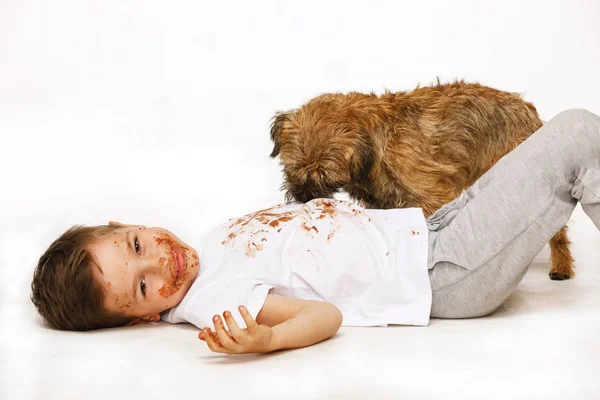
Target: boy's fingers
215,338
225,339
250,322
202,336
238,334
211,342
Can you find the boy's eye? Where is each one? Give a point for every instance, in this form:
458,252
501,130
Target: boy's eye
143,285
136,245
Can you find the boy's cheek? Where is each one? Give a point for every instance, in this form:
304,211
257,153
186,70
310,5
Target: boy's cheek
123,302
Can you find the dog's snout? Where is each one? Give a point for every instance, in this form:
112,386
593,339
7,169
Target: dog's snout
308,193
303,196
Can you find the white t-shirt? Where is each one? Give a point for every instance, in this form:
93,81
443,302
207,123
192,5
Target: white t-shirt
371,264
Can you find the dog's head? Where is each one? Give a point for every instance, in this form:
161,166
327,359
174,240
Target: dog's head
319,157
303,184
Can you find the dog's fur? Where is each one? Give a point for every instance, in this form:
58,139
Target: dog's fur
407,149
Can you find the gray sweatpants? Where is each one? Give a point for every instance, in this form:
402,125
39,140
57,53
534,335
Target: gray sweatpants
482,243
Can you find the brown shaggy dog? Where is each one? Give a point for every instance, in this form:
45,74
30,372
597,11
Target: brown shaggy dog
407,149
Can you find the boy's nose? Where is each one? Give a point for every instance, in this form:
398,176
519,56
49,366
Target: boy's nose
156,264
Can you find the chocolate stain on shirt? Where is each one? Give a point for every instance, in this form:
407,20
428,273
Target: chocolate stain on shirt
270,218
252,248
267,220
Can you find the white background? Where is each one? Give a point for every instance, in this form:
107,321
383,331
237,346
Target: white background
158,112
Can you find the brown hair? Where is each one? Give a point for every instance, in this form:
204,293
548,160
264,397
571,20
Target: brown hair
64,290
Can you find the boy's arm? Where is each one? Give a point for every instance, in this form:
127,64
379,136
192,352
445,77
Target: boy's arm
282,323
299,323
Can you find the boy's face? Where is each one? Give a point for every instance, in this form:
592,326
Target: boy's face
144,271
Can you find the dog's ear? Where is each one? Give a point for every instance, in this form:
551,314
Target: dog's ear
279,120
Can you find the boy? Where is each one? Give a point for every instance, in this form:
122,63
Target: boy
301,270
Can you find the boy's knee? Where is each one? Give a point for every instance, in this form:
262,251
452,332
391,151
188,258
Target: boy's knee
575,128
578,115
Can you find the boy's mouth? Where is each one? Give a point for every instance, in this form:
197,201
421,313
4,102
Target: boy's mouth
179,262
176,264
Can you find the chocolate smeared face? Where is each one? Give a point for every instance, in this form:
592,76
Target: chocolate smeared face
144,271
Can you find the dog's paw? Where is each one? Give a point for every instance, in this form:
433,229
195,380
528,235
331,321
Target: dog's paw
555,276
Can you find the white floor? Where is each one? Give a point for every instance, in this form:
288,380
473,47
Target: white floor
543,343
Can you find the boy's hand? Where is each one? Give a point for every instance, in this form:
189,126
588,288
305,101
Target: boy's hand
254,339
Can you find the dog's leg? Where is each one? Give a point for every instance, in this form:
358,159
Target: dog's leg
560,256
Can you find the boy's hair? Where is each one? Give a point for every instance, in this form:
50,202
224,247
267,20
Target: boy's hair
64,290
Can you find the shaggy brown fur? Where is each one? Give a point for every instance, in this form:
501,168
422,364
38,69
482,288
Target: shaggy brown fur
407,149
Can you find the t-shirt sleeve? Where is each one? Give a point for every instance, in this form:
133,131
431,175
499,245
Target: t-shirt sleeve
217,298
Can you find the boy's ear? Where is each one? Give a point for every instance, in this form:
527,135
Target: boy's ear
154,318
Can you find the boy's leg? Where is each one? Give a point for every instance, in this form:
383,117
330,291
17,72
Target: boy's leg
481,244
